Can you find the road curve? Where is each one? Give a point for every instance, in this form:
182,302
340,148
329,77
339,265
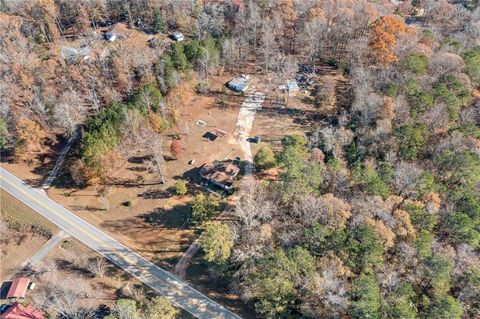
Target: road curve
179,292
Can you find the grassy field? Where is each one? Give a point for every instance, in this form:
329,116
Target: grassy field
18,216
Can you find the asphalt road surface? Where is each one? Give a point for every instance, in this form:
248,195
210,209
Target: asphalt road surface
179,292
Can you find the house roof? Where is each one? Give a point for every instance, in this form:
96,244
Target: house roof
118,29
177,35
220,172
240,83
18,288
17,311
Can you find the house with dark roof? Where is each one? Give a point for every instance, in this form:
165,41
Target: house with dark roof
17,311
221,174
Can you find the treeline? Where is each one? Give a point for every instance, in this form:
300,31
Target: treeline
376,215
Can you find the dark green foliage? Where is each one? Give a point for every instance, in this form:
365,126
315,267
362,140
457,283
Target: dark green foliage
439,270
470,130
472,65
370,181
169,70
3,133
364,247
416,63
297,141
421,219
461,228
400,303
461,168
299,175
419,99
265,158
461,173
390,89
199,49
276,279
427,184
201,209
423,244
354,153
385,171
179,59
453,93
102,131
320,239
367,298
410,139
192,50
445,307
157,23
427,35
101,135
147,98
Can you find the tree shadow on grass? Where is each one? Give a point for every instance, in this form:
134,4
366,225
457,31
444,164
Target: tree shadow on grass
158,193
175,217
71,267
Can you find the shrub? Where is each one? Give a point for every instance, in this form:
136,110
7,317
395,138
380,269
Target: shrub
390,89
416,63
181,187
202,208
472,65
265,158
217,243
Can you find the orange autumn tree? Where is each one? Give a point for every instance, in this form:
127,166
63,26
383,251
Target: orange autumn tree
384,37
30,138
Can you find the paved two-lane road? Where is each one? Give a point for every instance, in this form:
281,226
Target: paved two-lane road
160,280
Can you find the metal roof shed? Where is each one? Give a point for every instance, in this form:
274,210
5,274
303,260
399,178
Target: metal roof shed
17,311
239,84
18,288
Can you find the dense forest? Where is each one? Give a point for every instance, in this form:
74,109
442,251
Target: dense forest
375,215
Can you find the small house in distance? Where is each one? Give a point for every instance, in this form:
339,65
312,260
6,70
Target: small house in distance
291,87
239,84
74,55
18,288
221,174
17,311
118,30
178,36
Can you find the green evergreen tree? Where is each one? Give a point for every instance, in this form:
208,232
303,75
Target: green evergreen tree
217,243
158,24
158,308
364,248
366,298
179,59
265,158
410,139
201,209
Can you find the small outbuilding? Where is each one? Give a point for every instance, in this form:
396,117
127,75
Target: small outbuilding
221,174
239,84
178,36
18,288
17,311
74,55
116,31
291,87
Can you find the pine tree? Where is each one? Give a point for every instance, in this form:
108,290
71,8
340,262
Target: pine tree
158,24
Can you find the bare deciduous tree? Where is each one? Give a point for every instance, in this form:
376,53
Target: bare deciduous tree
97,266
